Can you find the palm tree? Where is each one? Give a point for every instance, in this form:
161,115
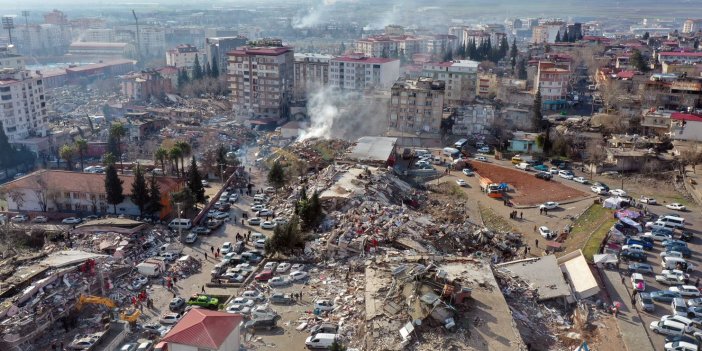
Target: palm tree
82,148
184,151
67,152
161,155
118,131
174,154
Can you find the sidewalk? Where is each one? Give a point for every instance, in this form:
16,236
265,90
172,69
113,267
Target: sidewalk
630,324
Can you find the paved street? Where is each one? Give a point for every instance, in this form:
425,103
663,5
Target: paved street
631,327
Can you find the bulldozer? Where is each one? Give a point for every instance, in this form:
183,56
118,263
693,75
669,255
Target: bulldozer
131,315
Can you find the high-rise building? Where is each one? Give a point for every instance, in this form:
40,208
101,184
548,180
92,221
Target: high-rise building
552,81
416,106
183,57
359,72
311,72
692,25
56,17
23,113
217,48
547,32
261,79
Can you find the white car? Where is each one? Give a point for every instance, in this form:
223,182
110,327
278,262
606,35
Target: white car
270,266
265,212
170,318
467,172
298,267
256,208
484,150
648,200
550,205
658,327
658,235
298,275
234,277
226,248
279,281
283,267
40,219
461,182
243,301
686,290
324,305
233,198
268,225
259,244
676,206
269,190
681,345
191,238
20,218
565,175
599,190
254,221
253,294
71,220
554,170
221,215
580,180
617,192
546,233
246,267
239,309
677,254
481,158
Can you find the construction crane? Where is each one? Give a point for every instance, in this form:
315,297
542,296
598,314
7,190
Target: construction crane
136,21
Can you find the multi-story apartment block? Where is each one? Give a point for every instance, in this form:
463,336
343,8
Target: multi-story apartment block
311,73
680,57
547,32
152,41
692,25
42,39
22,102
261,79
552,81
416,106
217,48
459,76
98,35
473,119
183,57
486,85
391,45
143,85
56,17
359,72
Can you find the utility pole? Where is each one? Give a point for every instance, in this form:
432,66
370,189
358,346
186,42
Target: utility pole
138,39
25,14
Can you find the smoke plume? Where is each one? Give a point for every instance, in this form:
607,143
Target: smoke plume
344,115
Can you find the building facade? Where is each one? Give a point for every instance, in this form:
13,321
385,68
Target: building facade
459,76
692,25
416,106
102,50
547,32
144,85
183,57
24,112
217,48
473,119
311,73
261,80
553,83
359,72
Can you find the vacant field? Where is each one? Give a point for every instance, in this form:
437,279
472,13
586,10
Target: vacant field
590,229
528,190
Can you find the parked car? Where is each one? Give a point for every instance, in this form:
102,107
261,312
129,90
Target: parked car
264,323
546,233
297,267
687,345
638,282
227,247
283,267
461,182
633,256
645,302
467,172
71,220
324,305
170,318
205,183
543,175
260,244
278,281
658,235
549,205
268,225
565,174
234,277
327,328
238,309
20,218
254,221
481,158
243,301
668,279
265,212
40,219
599,190
686,290
264,276
270,265
676,206
484,150
298,275
253,294
580,180
191,238
648,200
281,299
200,230
618,192
686,236
664,295
643,268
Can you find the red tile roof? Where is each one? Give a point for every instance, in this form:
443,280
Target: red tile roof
685,117
66,181
203,328
626,74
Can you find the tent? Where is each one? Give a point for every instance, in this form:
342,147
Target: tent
631,223
615,203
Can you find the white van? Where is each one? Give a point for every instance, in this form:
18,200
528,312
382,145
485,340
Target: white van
523,166
667,327
679,308
320,341
660,225
180,223
678,222
670,262
689,323
421,152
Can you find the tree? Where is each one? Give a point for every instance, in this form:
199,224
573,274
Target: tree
140,193
558,37
504,48
537,117
637,60
182,78
342,48
215,68
287,238
448,56
276,175
67,152
154,205
521,70
596,154
113,187
197,69
207,71
185,150
175,153
117,132
565,37
82,148
194,182
310,211
161,155
184,197
646,36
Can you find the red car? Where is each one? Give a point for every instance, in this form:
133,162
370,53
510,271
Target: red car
264,276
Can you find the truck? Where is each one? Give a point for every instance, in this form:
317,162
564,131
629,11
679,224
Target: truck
489,187
204,301
151,267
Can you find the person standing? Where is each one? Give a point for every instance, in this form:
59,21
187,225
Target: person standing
537,242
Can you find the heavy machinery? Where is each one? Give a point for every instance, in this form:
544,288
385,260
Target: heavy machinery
493,190
131,315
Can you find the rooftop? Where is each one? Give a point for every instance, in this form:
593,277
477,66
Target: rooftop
91,44
365,59
78,182
103,64
685,54
203,328
685,117
542,273
373,149
260,50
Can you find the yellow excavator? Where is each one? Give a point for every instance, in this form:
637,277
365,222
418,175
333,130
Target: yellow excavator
107,302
